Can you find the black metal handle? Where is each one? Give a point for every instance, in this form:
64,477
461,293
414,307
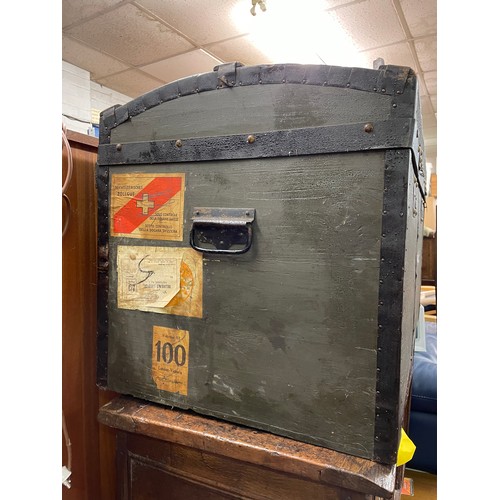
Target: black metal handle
222,230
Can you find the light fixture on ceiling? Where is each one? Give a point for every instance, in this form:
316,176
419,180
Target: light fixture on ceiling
309,34
260,3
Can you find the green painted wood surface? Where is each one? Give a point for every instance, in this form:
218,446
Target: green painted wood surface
289,334
253,109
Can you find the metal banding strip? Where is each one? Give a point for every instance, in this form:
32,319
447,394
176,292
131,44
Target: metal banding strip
102,180
293,142
392,252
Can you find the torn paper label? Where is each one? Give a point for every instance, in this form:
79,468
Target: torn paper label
161,280
147,277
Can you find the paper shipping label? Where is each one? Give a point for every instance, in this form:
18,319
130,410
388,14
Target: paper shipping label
149,206
166,280
170,359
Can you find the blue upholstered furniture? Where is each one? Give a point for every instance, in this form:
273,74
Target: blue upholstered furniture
423,409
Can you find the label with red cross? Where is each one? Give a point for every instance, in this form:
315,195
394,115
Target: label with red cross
149,206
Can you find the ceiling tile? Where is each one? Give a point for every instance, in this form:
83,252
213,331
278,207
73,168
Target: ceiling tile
240,49
420,16
164,39
132,82
202,21
426,106
174,68
329,4
275,39
74,11
429,122
95,62
430,79
363,22
130,35
427,53
434,103
429,128
398,54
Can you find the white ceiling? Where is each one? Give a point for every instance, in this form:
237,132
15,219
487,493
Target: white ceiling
134,46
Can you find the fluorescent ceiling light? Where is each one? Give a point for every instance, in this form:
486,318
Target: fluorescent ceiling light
298,32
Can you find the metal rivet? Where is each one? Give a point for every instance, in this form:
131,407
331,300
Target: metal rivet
394,105
348,84
178,143
118,147
383,90
251,139
369,128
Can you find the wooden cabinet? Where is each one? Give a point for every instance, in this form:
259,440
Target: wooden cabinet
92,445
429,262
164,453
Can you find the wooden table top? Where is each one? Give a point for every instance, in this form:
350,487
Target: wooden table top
278,453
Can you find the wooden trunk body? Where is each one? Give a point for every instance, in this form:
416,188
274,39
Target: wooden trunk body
260,233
